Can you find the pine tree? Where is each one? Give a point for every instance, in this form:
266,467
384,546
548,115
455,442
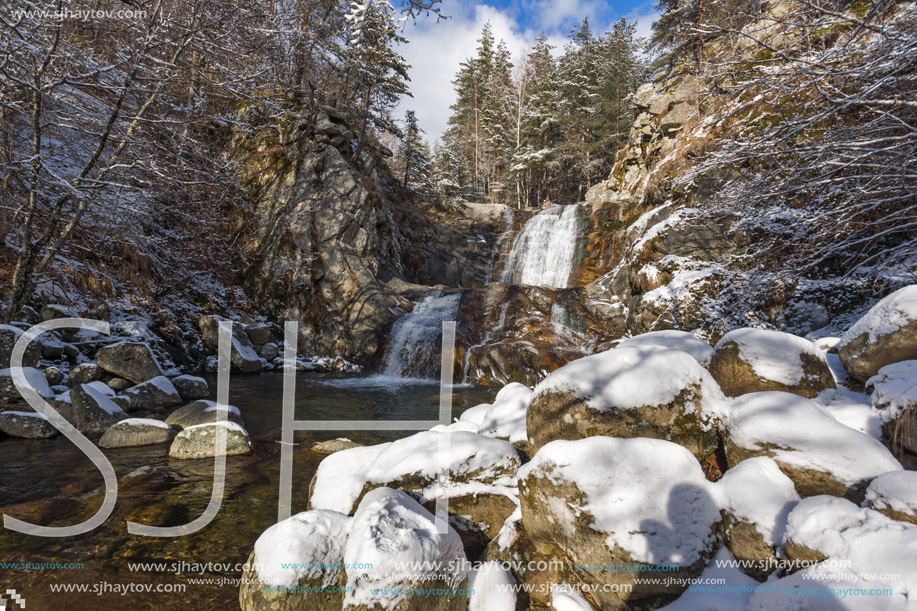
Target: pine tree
379,72
415,155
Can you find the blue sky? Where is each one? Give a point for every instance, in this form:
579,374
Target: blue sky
437,49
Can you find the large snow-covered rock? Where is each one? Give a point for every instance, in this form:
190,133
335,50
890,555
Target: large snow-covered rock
641,391
84,373
28,425
844,546
137,432
202,412
11,398
200,441
475,464
676,340
602,501
9,335
753,360
894,395
820,455
886,334
132,361
92,410
505,419
243,358
394,545
894,494
155,393
756,498
296,564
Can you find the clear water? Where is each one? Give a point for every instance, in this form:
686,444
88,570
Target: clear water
50,482
543,252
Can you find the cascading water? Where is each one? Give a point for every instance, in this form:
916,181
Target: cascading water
543,252
415,350
498,244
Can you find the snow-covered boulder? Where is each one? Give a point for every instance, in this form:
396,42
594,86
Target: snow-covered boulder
844,546
565,597
200,441
753,360
820,455
155,393
505,419
676,340
10,397
894,494
84,373
755,498
132,361
191,388
475,465
28,425
394,545
92,410
894,395
311,545
491,585
9,335
201,412
243,357
886,334
475,415
137,432
258,333
602,501
640,391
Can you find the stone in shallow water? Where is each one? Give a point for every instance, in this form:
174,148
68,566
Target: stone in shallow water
137,432
200,441
334,445
201,412
152,394
28,425
191,387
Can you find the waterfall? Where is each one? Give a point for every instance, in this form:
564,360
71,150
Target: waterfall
414,349
498,244
542,253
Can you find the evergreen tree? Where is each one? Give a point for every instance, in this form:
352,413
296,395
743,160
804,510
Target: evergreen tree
415,155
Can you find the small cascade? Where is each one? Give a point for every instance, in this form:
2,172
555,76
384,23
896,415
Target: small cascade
543,252
498,245
414,349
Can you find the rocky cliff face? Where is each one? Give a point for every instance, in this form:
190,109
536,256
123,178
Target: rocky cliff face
336,244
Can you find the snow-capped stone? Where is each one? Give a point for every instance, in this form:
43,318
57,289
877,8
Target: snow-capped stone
243,357
200,441
844,544
53,311
894,389
820,455
475,415
894,494
676,340
269,351
84,373
491,585
474,464
137,432
602,501
389,536
886,334
505,419
565,597
201,412
259,333
92,410
133,361
28,425
153,394
752,360
191,387
10,395
54,376
640,391
9,335
756,498
306,550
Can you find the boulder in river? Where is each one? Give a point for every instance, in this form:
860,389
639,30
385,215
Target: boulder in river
153,394
201,412
191,388
27,425
137,432
200,441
